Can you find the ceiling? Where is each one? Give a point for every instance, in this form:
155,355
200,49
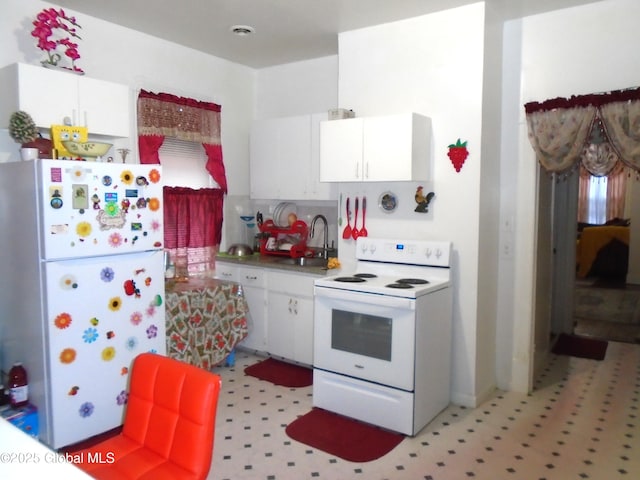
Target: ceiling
285,30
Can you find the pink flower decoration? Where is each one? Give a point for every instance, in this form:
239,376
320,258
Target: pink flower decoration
47,25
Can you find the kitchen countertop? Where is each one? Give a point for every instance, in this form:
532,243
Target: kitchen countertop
273,262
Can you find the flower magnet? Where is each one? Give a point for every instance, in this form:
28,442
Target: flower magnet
458,153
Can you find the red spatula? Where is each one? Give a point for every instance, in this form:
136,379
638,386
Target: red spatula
363,231
347,230
354,231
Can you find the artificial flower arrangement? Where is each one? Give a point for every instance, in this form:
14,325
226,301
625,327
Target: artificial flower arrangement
50,27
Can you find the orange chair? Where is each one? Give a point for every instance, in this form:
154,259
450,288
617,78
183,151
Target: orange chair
168,428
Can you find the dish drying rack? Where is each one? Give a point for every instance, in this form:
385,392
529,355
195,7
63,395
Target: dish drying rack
274,237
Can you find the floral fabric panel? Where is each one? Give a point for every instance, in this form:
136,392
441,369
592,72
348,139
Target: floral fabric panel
205,319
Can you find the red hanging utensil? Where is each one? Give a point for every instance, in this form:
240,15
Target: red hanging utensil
347,230
363,231
354,232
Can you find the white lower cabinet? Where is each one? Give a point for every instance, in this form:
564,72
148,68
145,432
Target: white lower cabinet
290,316
280,309
252,280
253,286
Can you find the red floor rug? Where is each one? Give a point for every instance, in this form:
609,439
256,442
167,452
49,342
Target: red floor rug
583,347
281,373
343,437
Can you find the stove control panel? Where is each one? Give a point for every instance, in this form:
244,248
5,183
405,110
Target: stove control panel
408,252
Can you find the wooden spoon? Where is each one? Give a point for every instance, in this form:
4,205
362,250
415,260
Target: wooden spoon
347,230
354,232
363,231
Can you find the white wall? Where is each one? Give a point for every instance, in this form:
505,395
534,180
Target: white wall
298,88
118,54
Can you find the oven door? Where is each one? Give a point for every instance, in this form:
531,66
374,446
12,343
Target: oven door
366,336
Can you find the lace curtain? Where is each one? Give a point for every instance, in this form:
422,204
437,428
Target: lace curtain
162,114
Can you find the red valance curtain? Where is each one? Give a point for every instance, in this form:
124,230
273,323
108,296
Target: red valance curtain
163,114
193,244
597,130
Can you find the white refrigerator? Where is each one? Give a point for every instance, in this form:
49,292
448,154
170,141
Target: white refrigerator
82,286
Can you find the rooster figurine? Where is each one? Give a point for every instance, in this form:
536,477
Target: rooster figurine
422,200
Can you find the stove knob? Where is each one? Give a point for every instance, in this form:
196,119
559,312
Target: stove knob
438,253
373,248
428,252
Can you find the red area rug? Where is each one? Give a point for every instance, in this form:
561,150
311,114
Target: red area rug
281,373
343,437
583,347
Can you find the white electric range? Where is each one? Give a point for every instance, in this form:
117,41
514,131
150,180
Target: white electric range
382,334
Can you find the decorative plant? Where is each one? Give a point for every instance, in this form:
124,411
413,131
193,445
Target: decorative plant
22,128
50,27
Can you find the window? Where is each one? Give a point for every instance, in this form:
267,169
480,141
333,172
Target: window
183,164
597,206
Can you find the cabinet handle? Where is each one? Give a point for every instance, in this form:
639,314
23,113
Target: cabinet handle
366,171
293,306
249,277
357,169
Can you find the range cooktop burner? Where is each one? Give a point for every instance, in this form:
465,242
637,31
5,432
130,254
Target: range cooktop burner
350,279
399,285
365,275
413,281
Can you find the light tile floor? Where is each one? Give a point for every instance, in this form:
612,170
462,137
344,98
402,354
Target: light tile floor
581,422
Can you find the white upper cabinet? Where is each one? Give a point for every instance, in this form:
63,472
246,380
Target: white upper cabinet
284,159
50,95
375,149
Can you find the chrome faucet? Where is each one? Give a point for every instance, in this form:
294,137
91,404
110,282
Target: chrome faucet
325,239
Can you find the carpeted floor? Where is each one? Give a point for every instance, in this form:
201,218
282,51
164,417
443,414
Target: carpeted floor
609,304
606,310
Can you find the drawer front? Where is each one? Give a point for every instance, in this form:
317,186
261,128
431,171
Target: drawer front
226,271
291,283
255,277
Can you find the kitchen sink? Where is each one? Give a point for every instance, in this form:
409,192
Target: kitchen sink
304,261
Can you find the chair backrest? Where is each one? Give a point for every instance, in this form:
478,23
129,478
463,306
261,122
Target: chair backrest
172,409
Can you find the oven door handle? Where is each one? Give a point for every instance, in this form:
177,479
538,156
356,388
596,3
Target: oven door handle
368,298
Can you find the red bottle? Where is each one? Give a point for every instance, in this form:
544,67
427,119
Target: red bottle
18,386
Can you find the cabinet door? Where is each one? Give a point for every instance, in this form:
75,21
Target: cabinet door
281,310
103,107
257,337
294,157
48,96
290,316
303,331
318,190
253,287
263,159
341,150
393,148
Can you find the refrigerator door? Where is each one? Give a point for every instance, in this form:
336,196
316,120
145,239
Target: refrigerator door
93,208
101,312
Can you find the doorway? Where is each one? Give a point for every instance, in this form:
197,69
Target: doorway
596,306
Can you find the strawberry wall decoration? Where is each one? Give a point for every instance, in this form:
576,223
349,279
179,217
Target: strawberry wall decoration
458,153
